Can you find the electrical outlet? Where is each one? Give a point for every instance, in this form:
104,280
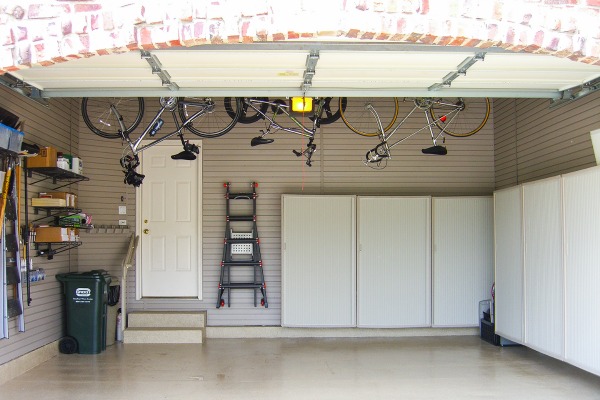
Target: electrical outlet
122,210
122,222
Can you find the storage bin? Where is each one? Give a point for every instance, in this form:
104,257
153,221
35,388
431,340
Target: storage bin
16,139
10,138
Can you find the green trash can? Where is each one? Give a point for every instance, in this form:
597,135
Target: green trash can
86,296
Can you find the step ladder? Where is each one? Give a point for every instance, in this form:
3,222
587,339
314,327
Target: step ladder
10,255
241,251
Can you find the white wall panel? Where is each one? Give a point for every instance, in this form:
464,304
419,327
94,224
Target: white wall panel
394,261
544,300
581,191
318,261
463,258
508,238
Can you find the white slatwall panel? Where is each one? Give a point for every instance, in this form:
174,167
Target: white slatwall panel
318,261
463,258
394,262
508,238
544,283
581,193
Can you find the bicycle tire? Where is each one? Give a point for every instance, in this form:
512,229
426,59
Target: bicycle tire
328,116
97,115
247,117
214,124
360,120
471,119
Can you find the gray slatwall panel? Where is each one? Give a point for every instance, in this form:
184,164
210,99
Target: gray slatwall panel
581,193
468,169
43,319
463,258
534,142
543,263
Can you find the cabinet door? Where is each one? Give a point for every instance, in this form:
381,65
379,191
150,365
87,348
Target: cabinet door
463,259
318,261
394,261
508,237
581,193
544,299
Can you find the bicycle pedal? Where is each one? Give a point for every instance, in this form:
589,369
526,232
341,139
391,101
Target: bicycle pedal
436,150
260,140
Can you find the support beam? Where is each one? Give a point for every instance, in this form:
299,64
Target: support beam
461,70
157,69
309,71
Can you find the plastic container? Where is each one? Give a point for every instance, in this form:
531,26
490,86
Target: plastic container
86,309
5,134
16,140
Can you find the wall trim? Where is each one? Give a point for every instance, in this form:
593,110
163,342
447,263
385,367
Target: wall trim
20,365
269,332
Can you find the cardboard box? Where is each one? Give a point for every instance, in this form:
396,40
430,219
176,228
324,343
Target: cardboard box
69,198
48,202
46,159
52,234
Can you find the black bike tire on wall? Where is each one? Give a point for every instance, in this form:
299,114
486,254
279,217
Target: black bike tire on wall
217,123
479,113
245,117
330,116
102,106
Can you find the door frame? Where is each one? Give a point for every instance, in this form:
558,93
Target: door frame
138,221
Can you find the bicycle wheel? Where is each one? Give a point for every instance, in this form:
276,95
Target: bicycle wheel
331,109
472,115
360,120
98,116
212,124
248,115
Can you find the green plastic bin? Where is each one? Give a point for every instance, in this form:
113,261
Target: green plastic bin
86,296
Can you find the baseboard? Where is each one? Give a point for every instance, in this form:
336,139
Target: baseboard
267,332
18,366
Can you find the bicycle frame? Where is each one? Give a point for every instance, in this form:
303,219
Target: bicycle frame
300,128
170,104
382,150
131,162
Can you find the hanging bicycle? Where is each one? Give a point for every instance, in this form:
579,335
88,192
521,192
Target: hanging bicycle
257,108
377,116
118,117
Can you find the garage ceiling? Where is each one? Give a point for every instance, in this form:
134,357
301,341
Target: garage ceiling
313,69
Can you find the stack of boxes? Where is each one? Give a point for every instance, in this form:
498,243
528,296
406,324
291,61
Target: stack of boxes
68,225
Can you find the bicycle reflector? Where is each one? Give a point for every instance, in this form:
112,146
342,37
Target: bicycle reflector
302,104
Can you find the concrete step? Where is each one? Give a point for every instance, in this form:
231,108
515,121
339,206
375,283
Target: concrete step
163,335
166,319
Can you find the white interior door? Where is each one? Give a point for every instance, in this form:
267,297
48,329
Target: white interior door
169,222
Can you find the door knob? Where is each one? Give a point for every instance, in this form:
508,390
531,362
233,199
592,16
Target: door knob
146,231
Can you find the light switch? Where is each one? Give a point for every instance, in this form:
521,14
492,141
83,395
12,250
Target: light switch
122,222
122,210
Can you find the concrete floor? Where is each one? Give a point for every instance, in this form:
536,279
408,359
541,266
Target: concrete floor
404,368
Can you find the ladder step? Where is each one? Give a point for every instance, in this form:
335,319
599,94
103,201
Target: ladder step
241,196
238,285
248,263
241,240
237,218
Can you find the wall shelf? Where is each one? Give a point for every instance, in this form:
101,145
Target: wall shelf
57,175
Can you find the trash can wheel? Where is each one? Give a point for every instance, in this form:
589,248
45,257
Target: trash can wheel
67,345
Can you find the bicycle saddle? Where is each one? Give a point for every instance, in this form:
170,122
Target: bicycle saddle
260,140
184,155
436,150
